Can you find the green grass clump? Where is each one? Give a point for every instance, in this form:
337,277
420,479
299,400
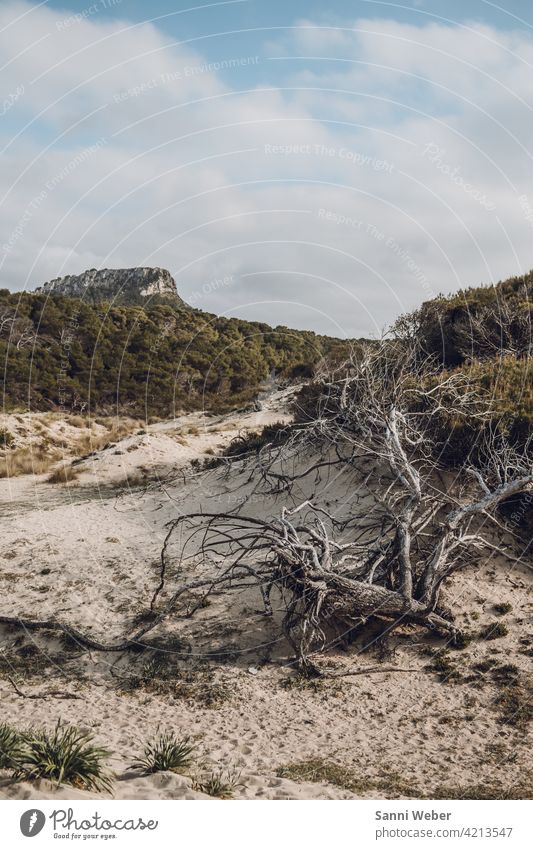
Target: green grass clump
165,753
219,784
67,755
11,747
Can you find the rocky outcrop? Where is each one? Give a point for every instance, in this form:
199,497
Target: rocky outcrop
118,285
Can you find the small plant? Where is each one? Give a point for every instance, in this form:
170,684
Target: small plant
507,674
165,753
515,706
63,474
220,784
11,747
502,608
520,790
6,438
493,631
445,667
67,755
297,681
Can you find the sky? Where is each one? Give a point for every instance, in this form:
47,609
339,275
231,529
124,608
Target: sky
319,166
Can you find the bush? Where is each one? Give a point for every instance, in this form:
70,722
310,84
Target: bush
273,434
165,753
67,755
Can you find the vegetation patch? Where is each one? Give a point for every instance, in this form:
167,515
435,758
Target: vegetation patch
221,784
165,753
11,747
493,631
67,755
321,771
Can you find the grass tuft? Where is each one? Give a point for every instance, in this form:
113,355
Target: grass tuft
11,747
165,753
493,631
220,784
63,474
67,755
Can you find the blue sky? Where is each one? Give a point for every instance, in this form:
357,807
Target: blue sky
181,17
322,166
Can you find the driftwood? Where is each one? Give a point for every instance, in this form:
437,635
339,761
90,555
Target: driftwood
56,694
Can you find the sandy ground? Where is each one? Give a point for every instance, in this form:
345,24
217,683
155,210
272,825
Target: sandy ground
87,553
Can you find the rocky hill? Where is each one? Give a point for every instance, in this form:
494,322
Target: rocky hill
121,286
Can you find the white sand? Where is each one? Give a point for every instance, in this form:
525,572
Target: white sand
99,549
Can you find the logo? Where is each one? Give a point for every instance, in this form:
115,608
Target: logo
32,822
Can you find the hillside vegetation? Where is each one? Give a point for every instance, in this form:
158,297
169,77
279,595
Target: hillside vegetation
483,335
59,352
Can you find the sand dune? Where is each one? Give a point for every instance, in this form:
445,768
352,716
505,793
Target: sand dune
87,553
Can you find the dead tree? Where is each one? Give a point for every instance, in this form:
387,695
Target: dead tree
410,522
413,523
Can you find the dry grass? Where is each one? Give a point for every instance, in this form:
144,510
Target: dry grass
27,461
48,446
319,770
64,474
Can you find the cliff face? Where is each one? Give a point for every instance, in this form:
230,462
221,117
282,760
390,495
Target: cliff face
118,285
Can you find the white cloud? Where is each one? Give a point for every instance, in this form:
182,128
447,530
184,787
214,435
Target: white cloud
145,156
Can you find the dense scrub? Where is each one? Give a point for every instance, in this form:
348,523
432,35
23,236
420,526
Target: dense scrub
475,324
63,352
484,335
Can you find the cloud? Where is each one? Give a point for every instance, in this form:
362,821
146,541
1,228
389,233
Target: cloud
346,190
